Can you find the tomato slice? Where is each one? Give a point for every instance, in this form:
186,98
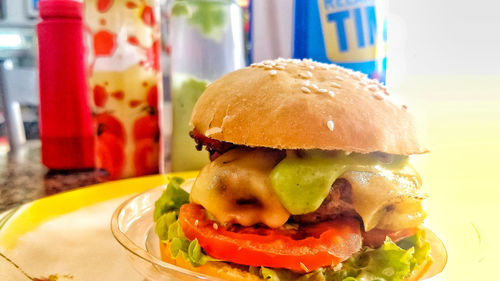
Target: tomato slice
376,237
302,250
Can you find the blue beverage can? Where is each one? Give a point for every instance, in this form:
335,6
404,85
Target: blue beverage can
350,33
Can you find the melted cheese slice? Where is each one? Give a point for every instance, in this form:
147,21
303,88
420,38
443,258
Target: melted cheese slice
235,188
386,200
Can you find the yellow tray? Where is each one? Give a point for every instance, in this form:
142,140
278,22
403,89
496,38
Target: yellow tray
70,212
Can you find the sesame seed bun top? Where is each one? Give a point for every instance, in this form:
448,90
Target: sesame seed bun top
301,104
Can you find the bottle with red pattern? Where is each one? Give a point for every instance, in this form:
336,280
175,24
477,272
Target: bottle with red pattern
124,79
65,119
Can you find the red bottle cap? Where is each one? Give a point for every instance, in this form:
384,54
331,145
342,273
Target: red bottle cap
60,9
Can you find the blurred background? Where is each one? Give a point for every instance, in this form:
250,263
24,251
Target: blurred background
18,54
443,61
453,41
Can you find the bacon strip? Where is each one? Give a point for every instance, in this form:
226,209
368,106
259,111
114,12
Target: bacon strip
215,147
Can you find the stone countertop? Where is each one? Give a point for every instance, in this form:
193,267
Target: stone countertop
23,178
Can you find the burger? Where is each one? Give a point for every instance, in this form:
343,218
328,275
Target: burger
309,179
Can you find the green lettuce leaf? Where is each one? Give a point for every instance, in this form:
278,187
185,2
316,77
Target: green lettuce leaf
167,227
390,262
421,247
163,223
287,275
387,263
172,198
190,251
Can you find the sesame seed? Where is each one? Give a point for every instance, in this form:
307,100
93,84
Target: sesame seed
311,67
196,222
339,78
330,125
267,66
378,97
282,67
323,90
331,93
273,72
305,90
303,266
306,83
386,93
306,74
315,87
372,88
404,106
215,226
335,84
270,62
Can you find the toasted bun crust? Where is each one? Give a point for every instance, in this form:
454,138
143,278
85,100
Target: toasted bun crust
294,104
226,272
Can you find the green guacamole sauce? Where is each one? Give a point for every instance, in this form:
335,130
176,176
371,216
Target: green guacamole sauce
302,183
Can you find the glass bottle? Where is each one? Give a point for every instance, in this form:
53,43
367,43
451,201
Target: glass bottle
124,81
206,39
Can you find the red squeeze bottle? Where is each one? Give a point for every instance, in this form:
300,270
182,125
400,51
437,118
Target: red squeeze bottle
65,118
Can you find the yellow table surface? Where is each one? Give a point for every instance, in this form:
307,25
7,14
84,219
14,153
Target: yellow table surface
460,117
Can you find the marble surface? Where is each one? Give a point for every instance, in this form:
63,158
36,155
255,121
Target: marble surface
23,178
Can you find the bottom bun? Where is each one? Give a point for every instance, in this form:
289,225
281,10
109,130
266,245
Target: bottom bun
220,270
226,271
